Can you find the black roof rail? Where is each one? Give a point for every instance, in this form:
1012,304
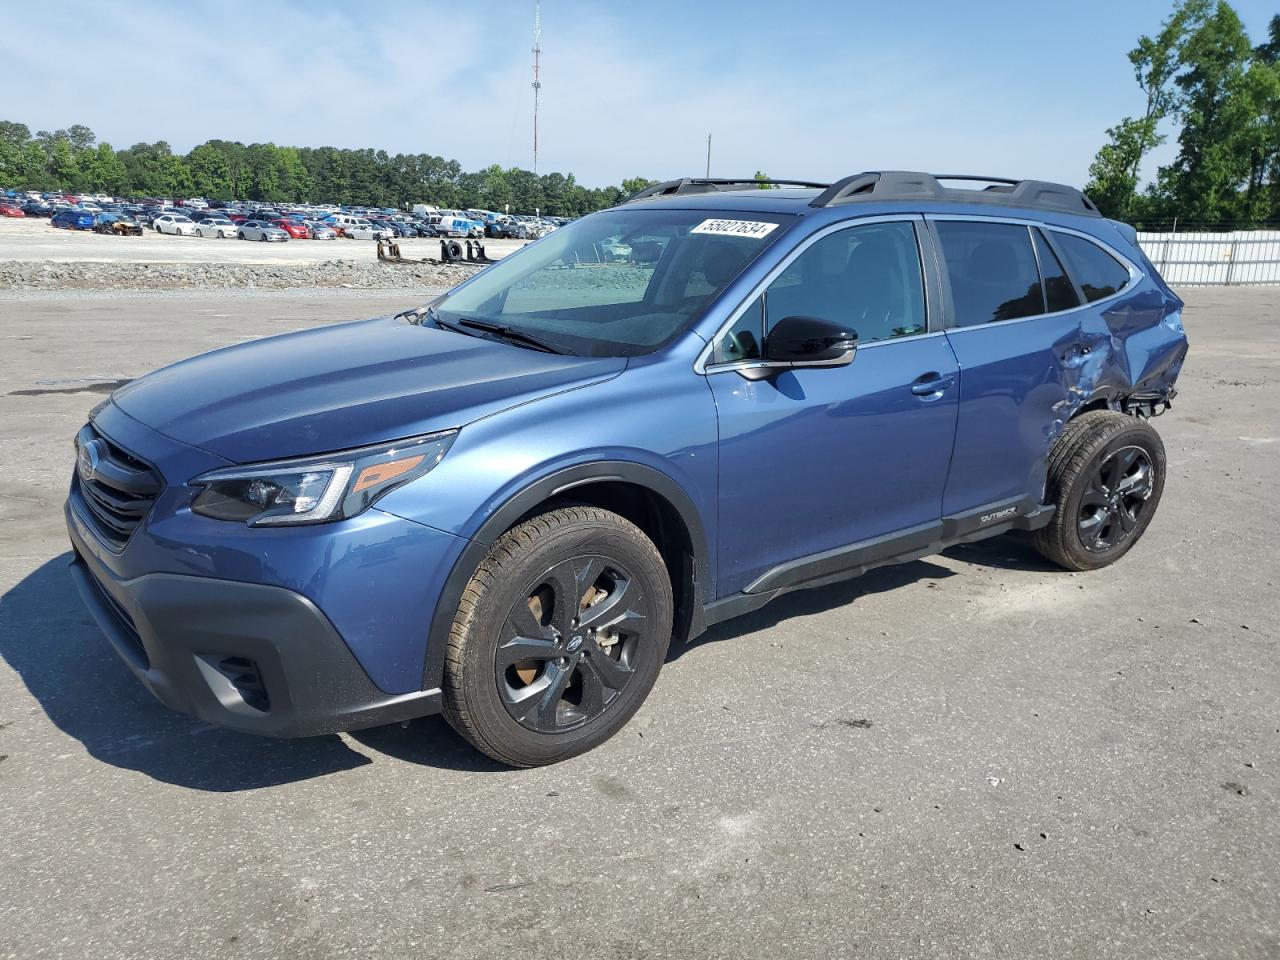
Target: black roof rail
711,185
907,185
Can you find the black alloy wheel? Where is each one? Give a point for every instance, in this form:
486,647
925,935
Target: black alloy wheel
1113,503
568,646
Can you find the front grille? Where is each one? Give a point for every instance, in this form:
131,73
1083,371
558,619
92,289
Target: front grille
116,487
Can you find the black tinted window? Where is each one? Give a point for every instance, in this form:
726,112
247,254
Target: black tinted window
992,270
1058,291
867,279
1098,273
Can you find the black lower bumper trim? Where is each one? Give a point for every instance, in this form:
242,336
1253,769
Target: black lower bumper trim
302,679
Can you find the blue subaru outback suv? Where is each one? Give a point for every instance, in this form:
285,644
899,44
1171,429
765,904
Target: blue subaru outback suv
507,503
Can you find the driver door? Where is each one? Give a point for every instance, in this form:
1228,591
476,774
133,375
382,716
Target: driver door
814,461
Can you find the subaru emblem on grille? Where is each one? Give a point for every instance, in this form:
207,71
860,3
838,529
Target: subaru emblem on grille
88,459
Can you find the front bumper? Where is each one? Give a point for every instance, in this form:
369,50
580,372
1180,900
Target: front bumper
252,657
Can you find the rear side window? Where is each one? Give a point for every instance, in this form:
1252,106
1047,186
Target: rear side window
1098,273
1059,294
992,269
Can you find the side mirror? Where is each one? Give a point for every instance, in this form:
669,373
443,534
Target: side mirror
809,342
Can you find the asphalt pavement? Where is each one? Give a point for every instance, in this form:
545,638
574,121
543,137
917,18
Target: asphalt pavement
972,755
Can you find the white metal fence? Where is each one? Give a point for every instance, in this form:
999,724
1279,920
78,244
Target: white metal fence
1206,259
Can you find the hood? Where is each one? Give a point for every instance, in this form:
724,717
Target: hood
342,386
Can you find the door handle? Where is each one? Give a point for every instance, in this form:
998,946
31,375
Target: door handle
930,384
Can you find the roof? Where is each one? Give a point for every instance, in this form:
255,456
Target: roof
893,186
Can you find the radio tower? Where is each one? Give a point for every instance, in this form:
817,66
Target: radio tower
537,83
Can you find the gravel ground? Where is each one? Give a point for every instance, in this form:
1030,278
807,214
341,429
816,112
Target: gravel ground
972,755
52,275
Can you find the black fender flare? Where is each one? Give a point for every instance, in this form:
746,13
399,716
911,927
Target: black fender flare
538,492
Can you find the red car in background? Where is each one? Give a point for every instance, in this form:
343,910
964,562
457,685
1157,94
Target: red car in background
9,210
295,230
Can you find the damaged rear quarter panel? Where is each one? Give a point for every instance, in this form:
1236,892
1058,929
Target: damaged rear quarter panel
1037,373
1134,346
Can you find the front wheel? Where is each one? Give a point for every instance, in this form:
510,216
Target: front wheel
1105,479
558,638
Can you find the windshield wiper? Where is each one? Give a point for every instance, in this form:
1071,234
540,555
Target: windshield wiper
512,335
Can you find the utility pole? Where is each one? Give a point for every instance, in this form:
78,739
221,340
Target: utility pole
708,156
537,82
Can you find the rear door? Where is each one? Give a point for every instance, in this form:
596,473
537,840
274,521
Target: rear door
1014,326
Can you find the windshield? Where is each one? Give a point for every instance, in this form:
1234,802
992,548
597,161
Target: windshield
617,283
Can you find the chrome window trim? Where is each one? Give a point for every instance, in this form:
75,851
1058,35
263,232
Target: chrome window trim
702,367
1135,275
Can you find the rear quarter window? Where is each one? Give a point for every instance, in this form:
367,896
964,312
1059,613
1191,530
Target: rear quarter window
1097,272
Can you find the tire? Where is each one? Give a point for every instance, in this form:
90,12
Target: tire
240,235
576,687
1105,479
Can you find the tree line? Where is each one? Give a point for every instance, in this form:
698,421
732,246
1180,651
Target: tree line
1205,82
72,160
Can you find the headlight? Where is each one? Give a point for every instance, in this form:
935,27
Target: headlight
317,489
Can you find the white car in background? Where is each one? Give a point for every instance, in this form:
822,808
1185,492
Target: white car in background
320,231
261,230
174,223
367,231
219,227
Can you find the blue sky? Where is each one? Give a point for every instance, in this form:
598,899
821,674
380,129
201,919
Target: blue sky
806,89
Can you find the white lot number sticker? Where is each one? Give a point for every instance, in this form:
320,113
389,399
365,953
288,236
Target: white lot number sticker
754,229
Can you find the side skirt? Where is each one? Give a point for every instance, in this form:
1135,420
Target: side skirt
855,559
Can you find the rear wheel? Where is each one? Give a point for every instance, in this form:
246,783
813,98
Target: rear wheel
558,638
1106,476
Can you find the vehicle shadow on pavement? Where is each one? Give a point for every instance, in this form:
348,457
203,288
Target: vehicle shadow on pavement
1009,552
48,637
804,603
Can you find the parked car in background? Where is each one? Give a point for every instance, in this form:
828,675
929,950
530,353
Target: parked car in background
261,230
174,223
368,231
37,208
116,224
71,218
218,227
322,231
451,223
11,209
298,231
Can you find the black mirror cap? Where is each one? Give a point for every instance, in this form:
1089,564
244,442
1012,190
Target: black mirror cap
805,340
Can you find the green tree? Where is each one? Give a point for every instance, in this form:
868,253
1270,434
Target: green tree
633,185
14,134
210,172
62,165
1217,110
102,170
1113,175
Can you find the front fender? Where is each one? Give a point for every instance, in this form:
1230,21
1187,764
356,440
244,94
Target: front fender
500,519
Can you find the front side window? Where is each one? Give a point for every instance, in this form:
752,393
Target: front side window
1098,273
992,270
617,283
866,278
